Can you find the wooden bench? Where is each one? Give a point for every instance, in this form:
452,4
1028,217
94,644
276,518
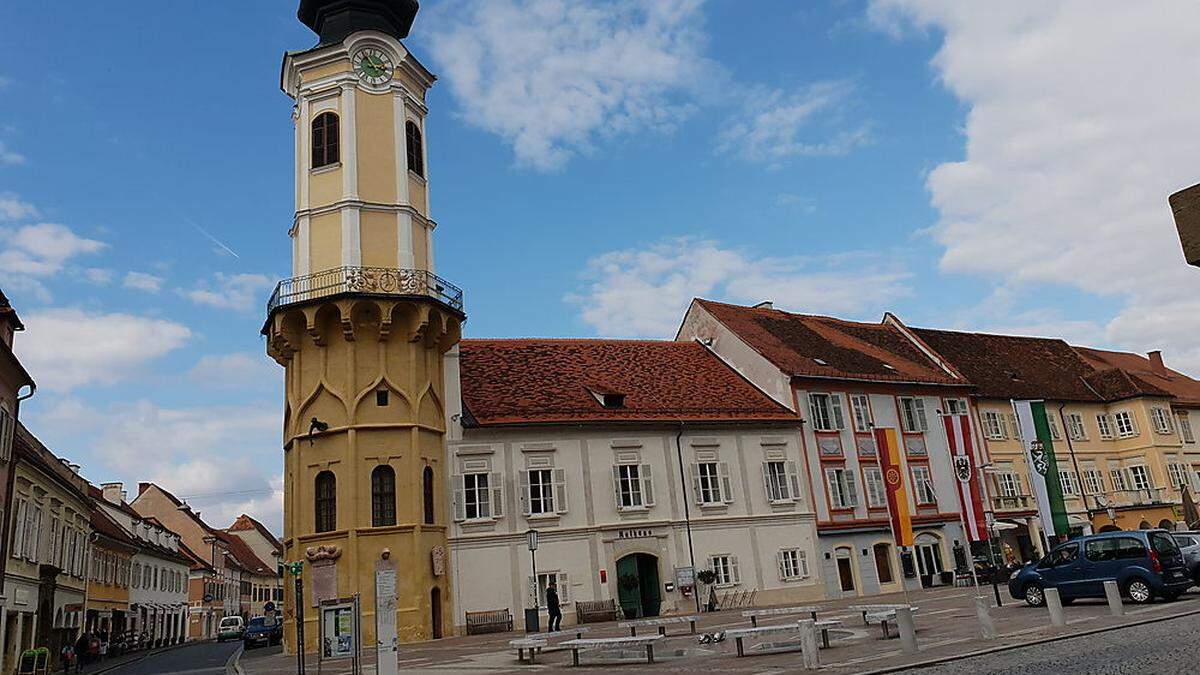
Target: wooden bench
755,614
661,622
585,644
489,621
588,611
740,634
883,618
535,643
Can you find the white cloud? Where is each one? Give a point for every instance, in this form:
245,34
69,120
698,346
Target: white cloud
42,249
645,292
239,368
796,202
777,125
143,282
1078,129
241,292
9,156
551,76
98,275
12,208
67,348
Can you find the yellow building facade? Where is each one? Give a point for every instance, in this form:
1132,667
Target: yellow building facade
361,329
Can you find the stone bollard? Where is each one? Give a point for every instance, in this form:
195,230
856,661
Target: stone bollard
808,644
907,629
986,627
1115,606
1057,617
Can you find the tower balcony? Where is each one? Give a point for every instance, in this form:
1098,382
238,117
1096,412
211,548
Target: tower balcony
369,281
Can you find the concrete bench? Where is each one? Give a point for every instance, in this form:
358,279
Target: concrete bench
740,634
584,644
661,622
869,609
535,643
884,618
755,614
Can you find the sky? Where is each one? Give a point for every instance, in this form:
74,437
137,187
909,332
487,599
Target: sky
593,166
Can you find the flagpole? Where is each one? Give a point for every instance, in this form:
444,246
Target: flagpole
962,519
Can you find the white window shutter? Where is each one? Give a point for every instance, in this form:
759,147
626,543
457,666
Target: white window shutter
779,563
802,555
726,484
524,477
733,567
694,470
560,490
616,473
832,484
496,481
766,474
456,483
919,407
813,417
851,489
564,589
839,421
647,485
18,537
793,481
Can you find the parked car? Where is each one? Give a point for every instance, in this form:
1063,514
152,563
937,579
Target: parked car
261,632
1189,543
230,628
1144,563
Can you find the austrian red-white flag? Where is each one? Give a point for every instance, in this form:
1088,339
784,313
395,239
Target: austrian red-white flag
962,455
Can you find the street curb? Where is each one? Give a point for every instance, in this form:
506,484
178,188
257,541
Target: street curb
1004,648
233,664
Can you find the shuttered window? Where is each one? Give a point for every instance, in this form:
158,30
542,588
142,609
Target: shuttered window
325,140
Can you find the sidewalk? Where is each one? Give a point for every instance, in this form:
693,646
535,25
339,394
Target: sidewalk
946,627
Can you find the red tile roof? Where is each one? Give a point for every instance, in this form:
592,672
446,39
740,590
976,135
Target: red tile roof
244,556
1142,377
846,349
106,526
244,523
539,381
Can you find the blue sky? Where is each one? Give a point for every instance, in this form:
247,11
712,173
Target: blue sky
1001,168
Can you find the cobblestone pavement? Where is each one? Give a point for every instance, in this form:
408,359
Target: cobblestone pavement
946,626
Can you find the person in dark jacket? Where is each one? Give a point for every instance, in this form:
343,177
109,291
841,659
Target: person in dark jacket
555,622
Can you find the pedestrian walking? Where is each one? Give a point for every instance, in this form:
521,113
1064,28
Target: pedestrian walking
68,657
555,622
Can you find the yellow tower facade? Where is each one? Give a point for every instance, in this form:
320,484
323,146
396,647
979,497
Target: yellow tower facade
361,328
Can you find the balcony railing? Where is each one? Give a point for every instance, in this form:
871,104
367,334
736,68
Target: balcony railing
369,280
1011,502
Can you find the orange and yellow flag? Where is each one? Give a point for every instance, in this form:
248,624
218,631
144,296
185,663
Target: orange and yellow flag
893,480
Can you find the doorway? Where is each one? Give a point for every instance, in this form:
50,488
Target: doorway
638,585
929,560
435,610
845,566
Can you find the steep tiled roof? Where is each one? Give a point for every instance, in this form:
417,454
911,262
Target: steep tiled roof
108,527
803,345
1009,366
245,522
537,381
1139,376
244,556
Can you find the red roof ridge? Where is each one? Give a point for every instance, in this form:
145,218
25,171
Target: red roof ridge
803,315
572,340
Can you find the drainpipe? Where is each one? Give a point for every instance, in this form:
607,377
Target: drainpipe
687,516
1075,462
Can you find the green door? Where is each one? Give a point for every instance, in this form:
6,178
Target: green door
648,575
638,585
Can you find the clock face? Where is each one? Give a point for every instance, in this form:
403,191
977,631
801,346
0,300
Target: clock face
373,65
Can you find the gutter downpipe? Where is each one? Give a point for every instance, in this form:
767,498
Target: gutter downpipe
687,516
1075,463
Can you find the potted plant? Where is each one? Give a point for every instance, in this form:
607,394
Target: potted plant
632,585
708,578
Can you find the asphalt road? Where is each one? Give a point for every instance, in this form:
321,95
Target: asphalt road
1161,648
205,658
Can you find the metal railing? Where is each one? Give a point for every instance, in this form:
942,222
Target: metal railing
370,280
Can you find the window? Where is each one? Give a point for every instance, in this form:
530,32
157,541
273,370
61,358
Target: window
560,583
1162,420
876,494
923,486
825,412
33,533
993,426
543,491
326,502
1075,427
883,563
781,481
842,491
793,564
1139,477
860,405
1070,487
427,494
1118,480
726,568
383,496
711,482
416,152
325,140
1009,484
1126,428
1093,481
17,546
7,425
633,486
912,415
1101,550
1185,428
381,398
1104,422
956,406
1055,432
477,496
1177,475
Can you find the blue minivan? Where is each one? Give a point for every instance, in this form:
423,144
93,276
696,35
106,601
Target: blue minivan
1144,563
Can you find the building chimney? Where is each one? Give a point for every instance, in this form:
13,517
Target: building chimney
1156,359
765,304
114,493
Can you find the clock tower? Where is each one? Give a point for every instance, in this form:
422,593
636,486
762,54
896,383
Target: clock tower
360,328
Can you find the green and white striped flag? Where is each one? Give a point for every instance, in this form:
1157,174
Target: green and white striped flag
1043,473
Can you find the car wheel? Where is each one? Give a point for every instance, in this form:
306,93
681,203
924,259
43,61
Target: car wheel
1034,595
1139,591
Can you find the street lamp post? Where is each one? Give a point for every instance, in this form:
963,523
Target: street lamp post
531,615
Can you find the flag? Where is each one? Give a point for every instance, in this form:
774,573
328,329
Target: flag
893,483
962,455
1043,468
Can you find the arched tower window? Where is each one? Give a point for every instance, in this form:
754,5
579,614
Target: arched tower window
326,502
416,152
383,496
427,487
325,140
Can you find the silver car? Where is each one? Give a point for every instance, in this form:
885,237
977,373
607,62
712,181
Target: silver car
1189,545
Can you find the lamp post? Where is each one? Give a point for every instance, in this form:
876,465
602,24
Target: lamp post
991,514
531,615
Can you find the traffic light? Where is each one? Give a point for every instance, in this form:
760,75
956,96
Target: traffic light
295,567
